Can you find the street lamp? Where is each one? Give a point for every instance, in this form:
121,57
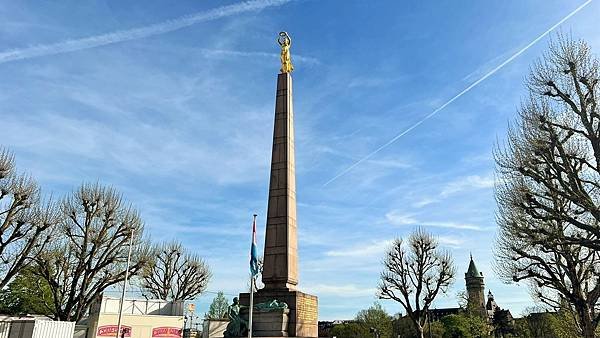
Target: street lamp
125,284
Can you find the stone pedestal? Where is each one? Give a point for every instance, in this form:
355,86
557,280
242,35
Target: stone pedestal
270,323
214,328
303,310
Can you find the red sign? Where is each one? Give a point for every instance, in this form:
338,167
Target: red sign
166,332
111,331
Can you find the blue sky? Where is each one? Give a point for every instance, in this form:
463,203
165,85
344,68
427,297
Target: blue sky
172,103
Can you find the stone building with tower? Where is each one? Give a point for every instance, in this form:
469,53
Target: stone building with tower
476,300
475,290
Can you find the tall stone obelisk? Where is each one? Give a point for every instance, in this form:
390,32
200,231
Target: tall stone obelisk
281,250
280,269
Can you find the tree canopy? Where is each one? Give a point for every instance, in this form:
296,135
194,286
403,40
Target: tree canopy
89,256
26,220
26,294
549,182
374,317
174,274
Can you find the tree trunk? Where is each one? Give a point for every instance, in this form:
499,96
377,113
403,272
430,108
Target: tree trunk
588,331
420,332
587,324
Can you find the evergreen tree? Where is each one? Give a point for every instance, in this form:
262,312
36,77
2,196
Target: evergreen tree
218,307
26,294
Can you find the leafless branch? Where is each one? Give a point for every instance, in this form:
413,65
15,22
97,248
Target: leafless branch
415,273
548,184
26,220
174,274
91,253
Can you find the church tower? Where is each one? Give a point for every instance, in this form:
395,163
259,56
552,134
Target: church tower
475,289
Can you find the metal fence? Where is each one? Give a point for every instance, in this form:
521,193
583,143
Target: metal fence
4,329
35,328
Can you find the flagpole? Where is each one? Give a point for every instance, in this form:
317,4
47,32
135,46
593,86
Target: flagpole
251,306
250,310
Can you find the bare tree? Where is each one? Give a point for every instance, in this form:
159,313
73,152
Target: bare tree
91,253
554,270
26,221
554,150
174,274
548,188
462,298
414,274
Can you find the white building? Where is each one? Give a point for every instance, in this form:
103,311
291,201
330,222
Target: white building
142,318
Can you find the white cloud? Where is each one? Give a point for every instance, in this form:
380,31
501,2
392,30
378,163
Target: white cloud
485,157
153,149
397,218
450,241
347,290
424,202
391,163
371,249
454,225
138,33
468,183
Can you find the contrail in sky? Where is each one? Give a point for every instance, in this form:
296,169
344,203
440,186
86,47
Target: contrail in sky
137,33
427,117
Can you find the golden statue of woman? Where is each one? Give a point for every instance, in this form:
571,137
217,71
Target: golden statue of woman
285,42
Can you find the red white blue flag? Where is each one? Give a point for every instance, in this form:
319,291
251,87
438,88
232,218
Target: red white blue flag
253,255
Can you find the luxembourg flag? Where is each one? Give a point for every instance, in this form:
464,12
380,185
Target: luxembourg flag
253,256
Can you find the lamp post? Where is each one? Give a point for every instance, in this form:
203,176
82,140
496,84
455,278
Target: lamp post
125,284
